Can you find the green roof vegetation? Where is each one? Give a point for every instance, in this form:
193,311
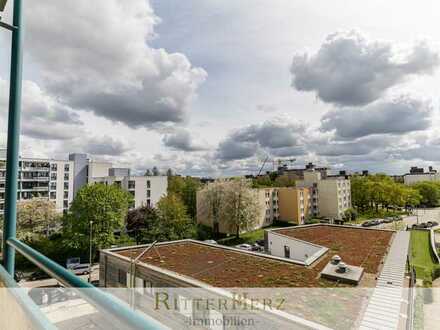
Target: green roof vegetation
422,257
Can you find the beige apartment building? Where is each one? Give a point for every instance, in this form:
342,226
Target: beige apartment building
275,204
267,199
330,197
294,204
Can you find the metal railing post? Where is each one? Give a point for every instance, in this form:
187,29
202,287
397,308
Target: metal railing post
12,159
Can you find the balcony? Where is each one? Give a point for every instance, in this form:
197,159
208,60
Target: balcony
87,306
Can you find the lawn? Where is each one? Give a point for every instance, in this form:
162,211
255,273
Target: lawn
252,236
421,254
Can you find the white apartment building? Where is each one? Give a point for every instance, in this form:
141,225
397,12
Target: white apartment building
60,180
146,190
41,178
410,179
330,197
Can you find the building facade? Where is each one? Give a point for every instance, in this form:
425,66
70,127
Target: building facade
330,197
42,178
268,211
294,204
146,190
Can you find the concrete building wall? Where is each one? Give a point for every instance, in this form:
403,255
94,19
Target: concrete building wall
291,248
334,197
99,169
294,204
80,170
409,179
146,190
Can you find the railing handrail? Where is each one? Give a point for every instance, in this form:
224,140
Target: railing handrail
37,317
98,298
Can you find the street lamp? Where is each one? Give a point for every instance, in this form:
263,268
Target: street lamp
10,220
90,251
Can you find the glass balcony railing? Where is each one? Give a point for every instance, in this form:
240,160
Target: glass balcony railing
19,311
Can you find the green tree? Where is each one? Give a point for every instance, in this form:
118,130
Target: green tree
141,222
173,221
186,189
35,217
429,192
350,214
106,206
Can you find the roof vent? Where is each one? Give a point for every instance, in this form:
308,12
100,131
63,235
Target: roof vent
342,267
336,259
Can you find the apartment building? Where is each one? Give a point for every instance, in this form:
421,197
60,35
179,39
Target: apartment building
41,178
418,174
268,211
146,190
295,204
274,204
330,197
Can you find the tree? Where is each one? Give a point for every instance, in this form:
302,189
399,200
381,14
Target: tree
148,172
230,203
350,214
141,222
429,192
211,200
173,221
106,206
169,172
284,181
240,205
155,171
369,193
35,216
186,188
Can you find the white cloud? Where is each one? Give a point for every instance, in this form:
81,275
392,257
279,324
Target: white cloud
350,70
98,59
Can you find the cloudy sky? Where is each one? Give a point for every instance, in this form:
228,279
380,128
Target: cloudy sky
214,87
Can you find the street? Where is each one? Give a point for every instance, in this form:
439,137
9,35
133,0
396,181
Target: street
54,282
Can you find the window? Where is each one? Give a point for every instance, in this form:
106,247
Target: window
66,194
66,176
66,185
53,195
148,202
286,251
148,184
53,167
122,277
53,186
66,167
53,176
66,204
148,193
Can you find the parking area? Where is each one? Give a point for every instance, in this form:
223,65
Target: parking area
418,217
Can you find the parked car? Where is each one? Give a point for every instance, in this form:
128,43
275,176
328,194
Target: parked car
257,248
210,241
260,242
375,222
388,220
38,275
246,247
434,223
367,224
81,269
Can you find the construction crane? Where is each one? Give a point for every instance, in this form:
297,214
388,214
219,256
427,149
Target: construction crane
262,166
277,163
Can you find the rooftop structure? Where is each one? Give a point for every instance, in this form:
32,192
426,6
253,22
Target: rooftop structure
200,261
